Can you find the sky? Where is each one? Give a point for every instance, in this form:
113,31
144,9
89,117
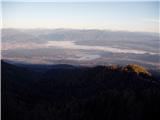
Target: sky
126,16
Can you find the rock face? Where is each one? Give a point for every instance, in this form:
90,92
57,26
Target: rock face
137,69
133,70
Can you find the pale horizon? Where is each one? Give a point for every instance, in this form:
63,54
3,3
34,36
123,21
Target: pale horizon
114,16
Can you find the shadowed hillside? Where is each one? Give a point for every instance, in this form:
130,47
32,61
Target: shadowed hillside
64,92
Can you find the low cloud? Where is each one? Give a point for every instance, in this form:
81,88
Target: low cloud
70,45
73,45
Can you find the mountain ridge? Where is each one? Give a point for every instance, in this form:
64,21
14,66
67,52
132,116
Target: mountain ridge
79,93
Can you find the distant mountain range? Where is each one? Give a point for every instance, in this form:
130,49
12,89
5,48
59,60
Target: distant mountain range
81,47
66,92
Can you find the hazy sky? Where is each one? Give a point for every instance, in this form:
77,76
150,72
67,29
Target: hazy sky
130,16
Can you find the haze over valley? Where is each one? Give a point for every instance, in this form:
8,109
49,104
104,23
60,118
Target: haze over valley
80,47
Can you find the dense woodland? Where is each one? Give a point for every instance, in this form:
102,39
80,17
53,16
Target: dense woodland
65,92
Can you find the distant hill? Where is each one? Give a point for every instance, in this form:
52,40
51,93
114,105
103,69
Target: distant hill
65,92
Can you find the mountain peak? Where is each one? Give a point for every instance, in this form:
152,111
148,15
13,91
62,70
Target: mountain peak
136,69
